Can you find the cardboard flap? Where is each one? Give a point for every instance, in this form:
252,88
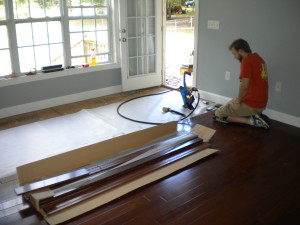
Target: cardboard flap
41,194
204,132
81,157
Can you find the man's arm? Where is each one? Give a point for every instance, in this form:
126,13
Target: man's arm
244,87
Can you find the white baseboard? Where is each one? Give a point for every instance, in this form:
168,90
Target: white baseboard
44,104
214,97
283,117
275,115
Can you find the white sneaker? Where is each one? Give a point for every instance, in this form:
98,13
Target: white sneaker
260,121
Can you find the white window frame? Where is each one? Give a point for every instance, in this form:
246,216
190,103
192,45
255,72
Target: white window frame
11,27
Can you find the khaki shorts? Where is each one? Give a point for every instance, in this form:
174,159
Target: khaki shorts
236,110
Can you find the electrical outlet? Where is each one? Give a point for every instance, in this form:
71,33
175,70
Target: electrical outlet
227,75
210,24
278,86
217,25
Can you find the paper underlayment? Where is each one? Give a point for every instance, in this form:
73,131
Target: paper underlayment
39,140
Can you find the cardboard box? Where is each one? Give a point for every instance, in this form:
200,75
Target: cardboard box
81,157
121,190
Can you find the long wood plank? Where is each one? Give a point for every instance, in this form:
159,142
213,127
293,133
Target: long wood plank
119,163
76,174
129,168
116,181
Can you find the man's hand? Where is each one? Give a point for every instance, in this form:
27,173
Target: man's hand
244,86
236,100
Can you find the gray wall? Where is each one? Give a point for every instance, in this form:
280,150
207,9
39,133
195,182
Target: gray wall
57,87
272,29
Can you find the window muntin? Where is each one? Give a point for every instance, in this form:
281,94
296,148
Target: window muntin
87,2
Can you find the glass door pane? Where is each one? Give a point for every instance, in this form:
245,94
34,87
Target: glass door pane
141,37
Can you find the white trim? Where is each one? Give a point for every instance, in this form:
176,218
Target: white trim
214,97
163,36
195,56
66,72
275,115
38,105
115,32
283,117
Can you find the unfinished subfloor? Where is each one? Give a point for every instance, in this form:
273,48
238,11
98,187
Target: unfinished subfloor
53,112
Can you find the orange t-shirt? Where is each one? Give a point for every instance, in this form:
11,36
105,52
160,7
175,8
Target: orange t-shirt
254,68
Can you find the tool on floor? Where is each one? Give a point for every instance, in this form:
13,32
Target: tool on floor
155,123
187,97
166,109
210,109
186,93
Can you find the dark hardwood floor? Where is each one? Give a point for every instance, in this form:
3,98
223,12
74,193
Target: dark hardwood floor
253,180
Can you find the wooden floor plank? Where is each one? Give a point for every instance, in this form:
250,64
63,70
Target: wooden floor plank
110,213
131,215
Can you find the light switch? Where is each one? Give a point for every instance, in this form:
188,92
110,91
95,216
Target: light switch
213,24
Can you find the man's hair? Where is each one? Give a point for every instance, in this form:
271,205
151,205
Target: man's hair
240,44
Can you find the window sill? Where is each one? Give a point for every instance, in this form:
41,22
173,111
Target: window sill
65,72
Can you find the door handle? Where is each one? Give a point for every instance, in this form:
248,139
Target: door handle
124,39
123,30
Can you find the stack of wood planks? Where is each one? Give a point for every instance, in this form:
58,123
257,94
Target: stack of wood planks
65,196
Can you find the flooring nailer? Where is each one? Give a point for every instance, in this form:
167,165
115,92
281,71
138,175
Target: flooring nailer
186,93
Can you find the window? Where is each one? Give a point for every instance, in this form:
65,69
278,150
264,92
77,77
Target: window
50,32
38,29
4,46
89,29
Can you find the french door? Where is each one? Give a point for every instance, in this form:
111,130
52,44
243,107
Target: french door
141,43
